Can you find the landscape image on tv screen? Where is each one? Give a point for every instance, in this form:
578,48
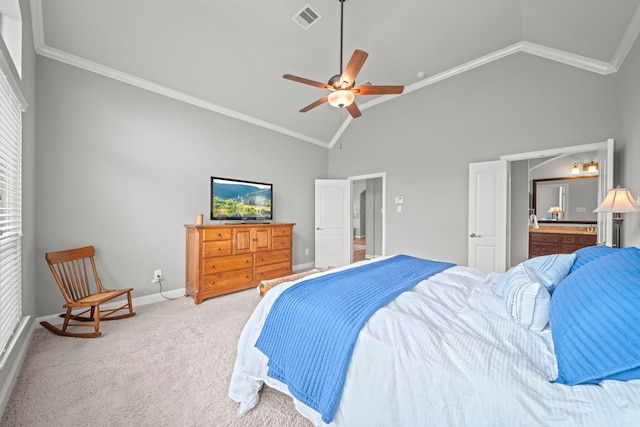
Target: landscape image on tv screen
234,199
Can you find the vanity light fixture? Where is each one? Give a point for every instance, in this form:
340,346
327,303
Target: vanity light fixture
618,200
586,168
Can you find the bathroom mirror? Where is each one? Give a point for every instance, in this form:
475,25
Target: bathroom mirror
566,200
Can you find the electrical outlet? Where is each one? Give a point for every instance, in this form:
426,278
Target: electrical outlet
157,275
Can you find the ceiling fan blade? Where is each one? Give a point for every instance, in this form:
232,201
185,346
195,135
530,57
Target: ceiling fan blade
353,110
315,104
377,90
307,81
353,68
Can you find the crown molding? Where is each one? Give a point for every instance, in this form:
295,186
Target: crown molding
567,58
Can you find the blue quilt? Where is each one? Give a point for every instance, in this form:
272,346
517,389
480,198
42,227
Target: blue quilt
311,330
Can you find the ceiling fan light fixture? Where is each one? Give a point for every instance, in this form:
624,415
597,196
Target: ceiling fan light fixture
341,98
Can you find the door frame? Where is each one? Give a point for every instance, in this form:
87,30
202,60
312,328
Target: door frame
606,225
382,175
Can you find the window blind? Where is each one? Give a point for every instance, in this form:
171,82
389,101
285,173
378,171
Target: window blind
10,213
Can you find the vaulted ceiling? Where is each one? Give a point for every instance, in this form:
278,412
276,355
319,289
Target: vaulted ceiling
229,56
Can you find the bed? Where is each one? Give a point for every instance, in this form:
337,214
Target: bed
553,341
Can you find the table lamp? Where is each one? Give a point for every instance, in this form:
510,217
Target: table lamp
618,200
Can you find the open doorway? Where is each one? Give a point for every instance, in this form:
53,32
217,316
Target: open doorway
367,212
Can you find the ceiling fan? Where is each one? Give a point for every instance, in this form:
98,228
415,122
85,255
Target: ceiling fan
342,86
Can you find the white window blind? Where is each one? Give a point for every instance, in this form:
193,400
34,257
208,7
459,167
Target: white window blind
10,213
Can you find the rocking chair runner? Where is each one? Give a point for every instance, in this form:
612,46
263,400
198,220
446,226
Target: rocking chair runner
82,289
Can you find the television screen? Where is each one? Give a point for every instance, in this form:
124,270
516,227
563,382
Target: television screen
234,199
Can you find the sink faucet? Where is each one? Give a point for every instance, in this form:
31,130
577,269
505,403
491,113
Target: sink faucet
533,218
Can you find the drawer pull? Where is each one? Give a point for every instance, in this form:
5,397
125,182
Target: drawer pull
213,266
246,261
219,249
212,282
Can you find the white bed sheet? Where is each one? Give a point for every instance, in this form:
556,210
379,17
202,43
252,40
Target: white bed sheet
445,353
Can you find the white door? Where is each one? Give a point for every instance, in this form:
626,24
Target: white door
333,223
488,216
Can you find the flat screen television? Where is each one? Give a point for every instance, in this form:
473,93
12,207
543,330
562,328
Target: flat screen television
240,200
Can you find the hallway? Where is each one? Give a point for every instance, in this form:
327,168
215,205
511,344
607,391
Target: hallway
359,248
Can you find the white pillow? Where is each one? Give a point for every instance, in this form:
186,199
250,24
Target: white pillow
549,269
526,299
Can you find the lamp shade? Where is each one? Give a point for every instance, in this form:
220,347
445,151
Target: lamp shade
618,200
341,98
555,209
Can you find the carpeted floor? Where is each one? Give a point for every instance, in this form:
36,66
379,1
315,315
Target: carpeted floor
167,366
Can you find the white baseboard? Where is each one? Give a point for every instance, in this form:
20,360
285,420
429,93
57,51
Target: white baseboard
304,266
137,301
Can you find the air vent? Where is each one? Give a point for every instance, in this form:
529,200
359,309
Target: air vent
306,17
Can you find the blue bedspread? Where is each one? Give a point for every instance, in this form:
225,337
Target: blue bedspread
312,327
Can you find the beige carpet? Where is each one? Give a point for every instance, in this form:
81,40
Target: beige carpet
167,366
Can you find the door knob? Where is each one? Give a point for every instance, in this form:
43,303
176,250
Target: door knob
474,235
318,228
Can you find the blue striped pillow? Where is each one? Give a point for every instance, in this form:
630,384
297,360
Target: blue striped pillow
594,316
526,299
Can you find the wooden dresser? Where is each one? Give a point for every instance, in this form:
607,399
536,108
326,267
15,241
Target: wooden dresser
559,240
228,258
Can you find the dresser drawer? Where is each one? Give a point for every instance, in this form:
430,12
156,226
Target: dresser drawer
586,239
281,242
281,231
216,234
215,264
231,280
568,238
570,248
543,237
272,271
538,249
216,248
273,257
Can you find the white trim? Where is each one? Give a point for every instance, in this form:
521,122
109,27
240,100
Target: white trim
136,302
12,377
582,62
7,70
628,39
556,151
305,266
578,61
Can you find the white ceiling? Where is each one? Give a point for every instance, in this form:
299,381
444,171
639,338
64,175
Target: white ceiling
229,56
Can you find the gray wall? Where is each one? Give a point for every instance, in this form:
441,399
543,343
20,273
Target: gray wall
124,169
425,140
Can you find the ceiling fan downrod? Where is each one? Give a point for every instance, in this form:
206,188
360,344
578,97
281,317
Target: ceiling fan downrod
341,30
335,80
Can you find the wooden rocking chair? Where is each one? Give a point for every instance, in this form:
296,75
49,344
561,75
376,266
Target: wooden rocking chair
82,289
